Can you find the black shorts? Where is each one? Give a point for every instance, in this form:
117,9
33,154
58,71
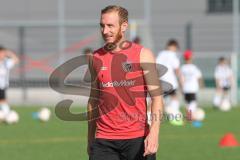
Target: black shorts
130,149
2,94
189,97
226,88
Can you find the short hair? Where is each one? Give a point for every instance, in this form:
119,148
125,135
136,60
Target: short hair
173,42
122,12
87,50
2,48
221,59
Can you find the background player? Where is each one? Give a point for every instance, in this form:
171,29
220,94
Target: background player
191,78
169,59
224,81
7,61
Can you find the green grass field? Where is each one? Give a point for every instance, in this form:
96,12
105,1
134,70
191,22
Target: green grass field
59,140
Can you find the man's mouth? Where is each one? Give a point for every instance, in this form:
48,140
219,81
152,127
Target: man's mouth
108,37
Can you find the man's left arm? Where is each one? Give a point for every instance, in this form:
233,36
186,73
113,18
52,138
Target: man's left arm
151,77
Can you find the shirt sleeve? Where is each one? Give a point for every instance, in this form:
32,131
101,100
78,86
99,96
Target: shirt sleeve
175,63
198,73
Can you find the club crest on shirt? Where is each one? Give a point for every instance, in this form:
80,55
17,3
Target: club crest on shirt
127,66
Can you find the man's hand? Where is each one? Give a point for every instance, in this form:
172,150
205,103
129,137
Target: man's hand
151,143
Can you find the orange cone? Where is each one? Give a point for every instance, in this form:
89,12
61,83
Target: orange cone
228,140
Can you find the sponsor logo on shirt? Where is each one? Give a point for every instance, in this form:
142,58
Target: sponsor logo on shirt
122,83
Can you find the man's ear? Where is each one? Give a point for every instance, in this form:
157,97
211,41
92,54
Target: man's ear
124,26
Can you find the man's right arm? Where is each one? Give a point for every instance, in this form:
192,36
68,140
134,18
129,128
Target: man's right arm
92,106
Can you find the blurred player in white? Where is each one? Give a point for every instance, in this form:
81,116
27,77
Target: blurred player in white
7,61
191,79
169,59
224,81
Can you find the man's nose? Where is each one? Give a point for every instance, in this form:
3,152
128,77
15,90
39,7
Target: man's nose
105,30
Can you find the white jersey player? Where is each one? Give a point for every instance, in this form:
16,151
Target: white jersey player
191,78
224,80
169,59
7,60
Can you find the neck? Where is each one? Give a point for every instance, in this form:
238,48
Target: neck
118,48
171,49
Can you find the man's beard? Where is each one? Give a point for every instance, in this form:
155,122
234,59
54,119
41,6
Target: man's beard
118,36
113,45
